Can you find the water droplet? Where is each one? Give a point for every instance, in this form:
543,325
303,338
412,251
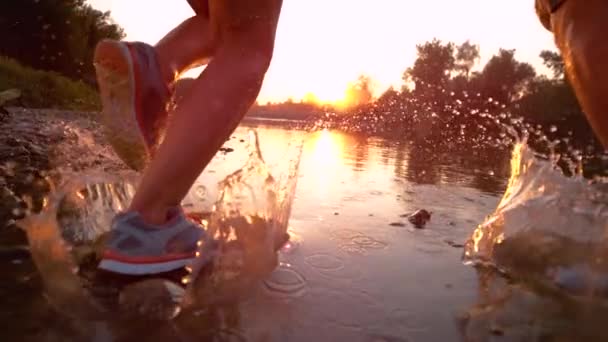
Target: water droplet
292,244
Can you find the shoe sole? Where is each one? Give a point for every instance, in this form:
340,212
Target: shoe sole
116,79
143,269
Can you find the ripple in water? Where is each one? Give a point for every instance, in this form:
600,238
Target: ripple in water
355,242
285,282
201,192
325,262
350,307
333,267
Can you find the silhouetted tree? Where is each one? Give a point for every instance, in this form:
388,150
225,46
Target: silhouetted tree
433,67
553,61
389,97
552,103
467,55
504,79
450,106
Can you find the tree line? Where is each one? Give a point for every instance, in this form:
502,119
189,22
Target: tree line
441,94
55,35
443,101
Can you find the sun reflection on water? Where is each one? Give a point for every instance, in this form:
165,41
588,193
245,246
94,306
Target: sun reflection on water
325,150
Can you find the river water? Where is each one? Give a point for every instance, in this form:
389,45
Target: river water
355,269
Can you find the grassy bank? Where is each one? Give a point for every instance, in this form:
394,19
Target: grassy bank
46,89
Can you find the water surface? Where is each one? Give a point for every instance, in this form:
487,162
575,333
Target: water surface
355,268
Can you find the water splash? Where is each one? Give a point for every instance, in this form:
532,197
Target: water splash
155,299
548,228
68,232
249,220
551,224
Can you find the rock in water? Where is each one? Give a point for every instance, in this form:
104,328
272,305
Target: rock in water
153,299
419,218
9,95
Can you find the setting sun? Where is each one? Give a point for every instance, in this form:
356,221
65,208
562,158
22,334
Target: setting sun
326,94
321,46
353,94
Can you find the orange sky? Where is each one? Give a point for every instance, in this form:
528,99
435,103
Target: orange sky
322,45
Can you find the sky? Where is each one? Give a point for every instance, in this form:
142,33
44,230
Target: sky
322,45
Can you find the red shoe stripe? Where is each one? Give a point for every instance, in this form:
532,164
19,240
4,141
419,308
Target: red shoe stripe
109,255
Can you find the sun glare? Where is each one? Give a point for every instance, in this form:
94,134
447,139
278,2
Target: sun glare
327,149
326,95
324,150
320,51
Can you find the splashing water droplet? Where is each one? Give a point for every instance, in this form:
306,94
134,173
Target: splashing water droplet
249,217
516,232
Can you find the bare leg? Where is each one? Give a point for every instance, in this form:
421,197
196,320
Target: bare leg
189,45
580,32
200,125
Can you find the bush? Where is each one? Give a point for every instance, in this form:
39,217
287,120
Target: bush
46,89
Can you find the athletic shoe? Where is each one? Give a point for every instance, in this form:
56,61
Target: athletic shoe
580,280
137,248
134,98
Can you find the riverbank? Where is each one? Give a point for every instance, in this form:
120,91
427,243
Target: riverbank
38,145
